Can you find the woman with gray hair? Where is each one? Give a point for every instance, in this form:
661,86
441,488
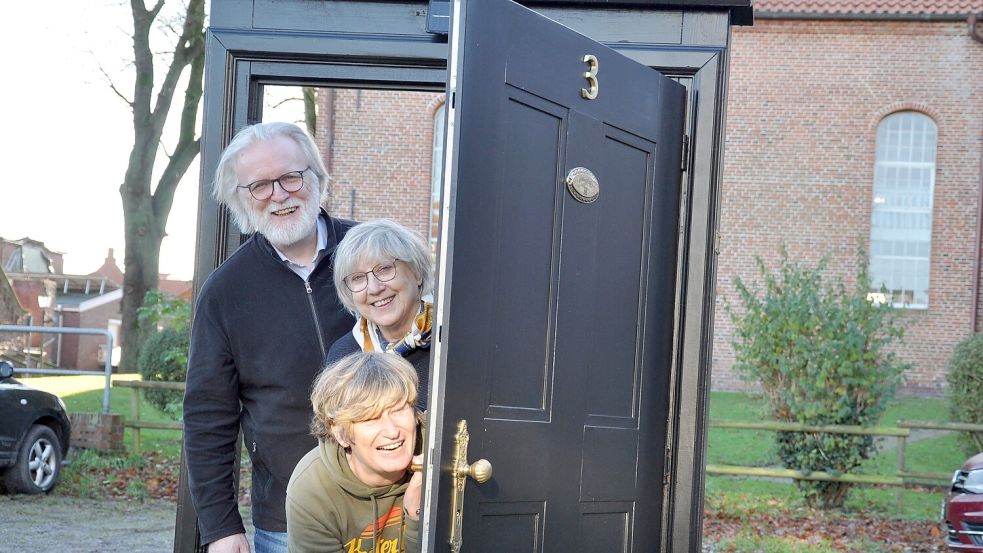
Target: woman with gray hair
383,276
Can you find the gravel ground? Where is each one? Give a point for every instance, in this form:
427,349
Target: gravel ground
74,525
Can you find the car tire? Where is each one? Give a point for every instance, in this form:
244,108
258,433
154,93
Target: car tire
38,463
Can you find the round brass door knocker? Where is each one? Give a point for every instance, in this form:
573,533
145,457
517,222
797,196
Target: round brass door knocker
583,185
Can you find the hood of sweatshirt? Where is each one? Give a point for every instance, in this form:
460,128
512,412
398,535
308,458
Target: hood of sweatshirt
334,458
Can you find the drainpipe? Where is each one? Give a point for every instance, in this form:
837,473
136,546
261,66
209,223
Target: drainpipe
979,235
974,30
61,323
977,34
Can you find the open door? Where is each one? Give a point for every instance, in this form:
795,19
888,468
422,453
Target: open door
555,345
556,301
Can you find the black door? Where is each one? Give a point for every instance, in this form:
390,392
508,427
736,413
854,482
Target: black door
556,301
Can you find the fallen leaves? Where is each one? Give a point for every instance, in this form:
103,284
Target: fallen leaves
844,532
157,477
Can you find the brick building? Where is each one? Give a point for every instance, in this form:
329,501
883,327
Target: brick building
11,310
29,256
858,123
850,123
379,149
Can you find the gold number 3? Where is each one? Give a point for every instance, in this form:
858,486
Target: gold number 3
591,92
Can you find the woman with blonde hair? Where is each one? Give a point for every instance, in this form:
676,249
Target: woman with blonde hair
355,490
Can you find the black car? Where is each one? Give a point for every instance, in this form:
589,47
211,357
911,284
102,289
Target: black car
34,435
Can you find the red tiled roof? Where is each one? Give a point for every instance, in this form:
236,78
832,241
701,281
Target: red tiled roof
110,269
870,7
181,289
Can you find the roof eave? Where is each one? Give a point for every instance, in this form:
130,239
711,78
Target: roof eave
925,17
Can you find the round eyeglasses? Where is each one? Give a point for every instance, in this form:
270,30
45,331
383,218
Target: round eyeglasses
383,272
263,189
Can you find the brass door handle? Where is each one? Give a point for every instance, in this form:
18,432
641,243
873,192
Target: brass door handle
480,471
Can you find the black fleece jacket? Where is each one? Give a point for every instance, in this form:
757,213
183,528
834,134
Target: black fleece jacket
259,338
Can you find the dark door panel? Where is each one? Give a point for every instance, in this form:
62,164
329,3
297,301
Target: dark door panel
558,340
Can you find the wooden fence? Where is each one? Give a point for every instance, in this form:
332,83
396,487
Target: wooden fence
901,433
133,421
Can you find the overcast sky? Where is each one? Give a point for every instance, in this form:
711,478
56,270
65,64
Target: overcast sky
68,135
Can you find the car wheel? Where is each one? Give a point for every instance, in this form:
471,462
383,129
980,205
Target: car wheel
38,463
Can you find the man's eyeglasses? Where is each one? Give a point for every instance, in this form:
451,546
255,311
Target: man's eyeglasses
263,189
384,272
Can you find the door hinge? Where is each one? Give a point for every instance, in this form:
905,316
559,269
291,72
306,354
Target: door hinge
685,160
438,17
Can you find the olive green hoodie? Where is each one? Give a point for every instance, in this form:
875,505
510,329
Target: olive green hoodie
329,510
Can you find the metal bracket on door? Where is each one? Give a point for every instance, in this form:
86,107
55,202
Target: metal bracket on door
480,471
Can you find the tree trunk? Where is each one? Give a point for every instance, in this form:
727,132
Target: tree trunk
146,208
141,272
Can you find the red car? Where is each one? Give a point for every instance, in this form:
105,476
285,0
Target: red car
962,510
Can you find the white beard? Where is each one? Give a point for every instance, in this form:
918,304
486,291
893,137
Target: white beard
280,234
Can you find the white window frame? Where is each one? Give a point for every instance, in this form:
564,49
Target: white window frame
901,216
436,176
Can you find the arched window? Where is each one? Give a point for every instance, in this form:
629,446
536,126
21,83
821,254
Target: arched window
901,218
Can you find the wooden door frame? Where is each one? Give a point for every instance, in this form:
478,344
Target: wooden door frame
386,45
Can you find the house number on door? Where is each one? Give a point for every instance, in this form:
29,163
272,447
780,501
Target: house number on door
591,92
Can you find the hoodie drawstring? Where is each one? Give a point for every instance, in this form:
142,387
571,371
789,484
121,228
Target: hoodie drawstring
375,525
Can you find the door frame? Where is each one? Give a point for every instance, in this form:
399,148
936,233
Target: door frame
385,45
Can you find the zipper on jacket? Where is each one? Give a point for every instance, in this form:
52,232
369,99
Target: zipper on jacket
317,322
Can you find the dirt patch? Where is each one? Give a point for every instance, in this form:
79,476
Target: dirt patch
847,534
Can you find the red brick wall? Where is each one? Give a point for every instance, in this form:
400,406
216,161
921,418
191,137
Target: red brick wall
89,346
804,101
27,291
380,149
97,431
70,342
10,309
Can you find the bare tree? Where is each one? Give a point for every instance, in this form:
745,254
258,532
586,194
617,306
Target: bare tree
146,207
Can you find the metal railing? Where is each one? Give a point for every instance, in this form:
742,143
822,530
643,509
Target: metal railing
108,370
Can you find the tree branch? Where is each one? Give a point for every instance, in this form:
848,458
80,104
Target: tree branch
112,86
184,54
188,145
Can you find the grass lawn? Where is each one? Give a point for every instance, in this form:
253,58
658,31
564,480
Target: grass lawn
94,474
742,503
84,394
748,499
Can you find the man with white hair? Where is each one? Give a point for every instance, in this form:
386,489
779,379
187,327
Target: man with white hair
263,323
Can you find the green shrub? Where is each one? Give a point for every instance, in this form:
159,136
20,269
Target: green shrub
164,356
161,310
822,356
165,359
965,378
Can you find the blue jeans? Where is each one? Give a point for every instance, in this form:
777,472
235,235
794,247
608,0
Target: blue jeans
265,541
